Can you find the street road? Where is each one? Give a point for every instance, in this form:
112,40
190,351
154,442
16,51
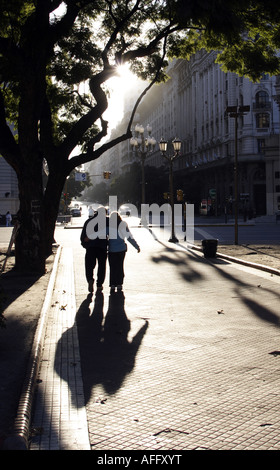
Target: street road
252,233
267,233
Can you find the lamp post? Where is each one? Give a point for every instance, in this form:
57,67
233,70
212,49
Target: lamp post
235,112
143,146
163,148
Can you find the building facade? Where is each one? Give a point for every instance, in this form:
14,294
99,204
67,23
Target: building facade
9,196
8,189
193,106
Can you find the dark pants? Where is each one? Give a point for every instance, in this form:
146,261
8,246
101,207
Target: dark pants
93,255
116,262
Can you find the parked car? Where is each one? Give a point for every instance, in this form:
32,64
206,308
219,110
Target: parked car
75,212
124,210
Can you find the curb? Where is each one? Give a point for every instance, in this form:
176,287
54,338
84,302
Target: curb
19,439
261,267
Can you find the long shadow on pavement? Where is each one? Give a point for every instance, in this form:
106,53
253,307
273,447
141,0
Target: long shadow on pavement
184,264
13,284
16,341
107,355
243,287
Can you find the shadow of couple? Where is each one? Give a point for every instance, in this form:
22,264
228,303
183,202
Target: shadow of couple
107,354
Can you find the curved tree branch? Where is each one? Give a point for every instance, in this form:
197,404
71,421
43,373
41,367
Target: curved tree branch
92,154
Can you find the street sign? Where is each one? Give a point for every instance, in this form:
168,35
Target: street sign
80,176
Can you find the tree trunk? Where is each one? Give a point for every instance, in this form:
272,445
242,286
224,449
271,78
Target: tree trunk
37,218
30,241
53,193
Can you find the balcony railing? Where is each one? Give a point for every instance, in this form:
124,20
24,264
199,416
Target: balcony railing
266,106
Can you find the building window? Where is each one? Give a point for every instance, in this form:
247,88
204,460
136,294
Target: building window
261,146
262,120
265,76
277,174
262,99
277,188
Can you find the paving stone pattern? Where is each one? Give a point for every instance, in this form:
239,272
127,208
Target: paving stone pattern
202,375
186,358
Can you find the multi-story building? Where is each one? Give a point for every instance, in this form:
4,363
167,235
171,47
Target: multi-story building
193,106
9,199
8,190
272,163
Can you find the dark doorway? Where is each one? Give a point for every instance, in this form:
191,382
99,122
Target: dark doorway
260,199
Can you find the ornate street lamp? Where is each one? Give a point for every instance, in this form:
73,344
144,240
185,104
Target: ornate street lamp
143,146
163,148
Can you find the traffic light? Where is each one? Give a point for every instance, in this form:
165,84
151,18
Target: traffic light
180,195
106,175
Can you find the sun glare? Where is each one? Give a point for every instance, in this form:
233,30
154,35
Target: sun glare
119,86
125,79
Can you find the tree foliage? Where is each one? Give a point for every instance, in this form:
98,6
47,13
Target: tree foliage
245,34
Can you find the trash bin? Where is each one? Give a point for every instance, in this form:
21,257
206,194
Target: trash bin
209,248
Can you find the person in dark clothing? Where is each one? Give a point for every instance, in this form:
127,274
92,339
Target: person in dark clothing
94,240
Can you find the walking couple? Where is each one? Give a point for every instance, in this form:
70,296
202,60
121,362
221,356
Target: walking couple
104,238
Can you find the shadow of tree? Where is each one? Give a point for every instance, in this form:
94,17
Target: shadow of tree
16,338
171,254
262,312
249,290
12,285
245,288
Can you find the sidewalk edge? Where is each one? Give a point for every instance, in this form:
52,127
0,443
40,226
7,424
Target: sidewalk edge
250,264
261,267
20,437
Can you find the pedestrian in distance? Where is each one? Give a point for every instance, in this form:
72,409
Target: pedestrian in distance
8,219
117,247
94,240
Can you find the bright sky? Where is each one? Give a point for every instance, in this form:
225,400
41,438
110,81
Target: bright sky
119,86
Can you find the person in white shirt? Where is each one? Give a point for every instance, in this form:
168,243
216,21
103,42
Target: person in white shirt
8,219
117,247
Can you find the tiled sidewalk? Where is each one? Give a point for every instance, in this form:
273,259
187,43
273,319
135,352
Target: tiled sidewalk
186,361
187,358
60,421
